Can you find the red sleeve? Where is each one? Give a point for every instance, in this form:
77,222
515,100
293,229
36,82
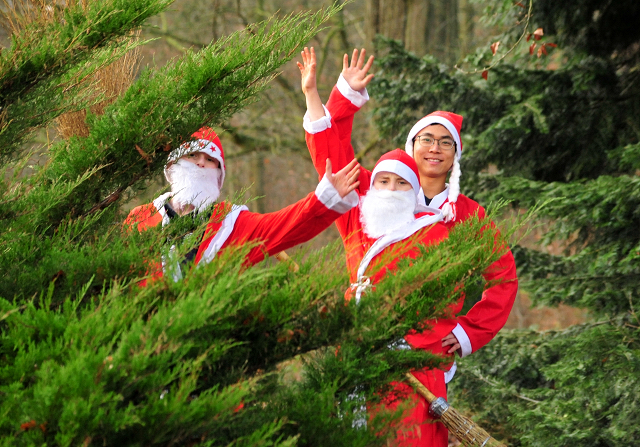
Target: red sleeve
489,315
143,216
342,112
282,229
327,144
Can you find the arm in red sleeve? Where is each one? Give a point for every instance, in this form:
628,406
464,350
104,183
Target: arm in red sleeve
330,136
324,142
292,225
489,315
343,104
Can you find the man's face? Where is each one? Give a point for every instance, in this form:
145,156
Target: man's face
390,182
201,159
434,161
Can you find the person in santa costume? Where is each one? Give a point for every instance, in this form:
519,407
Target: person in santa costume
196,172
435,145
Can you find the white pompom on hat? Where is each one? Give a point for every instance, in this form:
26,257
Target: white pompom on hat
453,123
206,141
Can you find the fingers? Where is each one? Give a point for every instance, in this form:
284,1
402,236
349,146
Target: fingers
360,63
353,187
367,79
354,58
353,175
308,57
450,339
368,64
454,348
345,61
353,164
327,170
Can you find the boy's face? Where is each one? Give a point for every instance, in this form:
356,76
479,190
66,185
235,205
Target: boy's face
391,182
201,159
434,161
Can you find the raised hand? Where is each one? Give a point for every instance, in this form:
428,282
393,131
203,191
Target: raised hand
308,70
345,180
355,73
309,87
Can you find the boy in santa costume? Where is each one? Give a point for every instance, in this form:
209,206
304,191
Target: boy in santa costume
196,172
435,145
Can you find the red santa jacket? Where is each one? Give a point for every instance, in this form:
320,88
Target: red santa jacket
277,231
365,255
485,318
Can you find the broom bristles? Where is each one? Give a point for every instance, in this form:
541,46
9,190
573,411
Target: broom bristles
463,428
467,431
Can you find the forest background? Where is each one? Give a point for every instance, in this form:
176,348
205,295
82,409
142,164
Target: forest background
550,97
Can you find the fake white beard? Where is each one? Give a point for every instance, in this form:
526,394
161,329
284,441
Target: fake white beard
193,185
382,211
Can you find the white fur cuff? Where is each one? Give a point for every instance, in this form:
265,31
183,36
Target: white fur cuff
318,125
357,98
328,195
463,339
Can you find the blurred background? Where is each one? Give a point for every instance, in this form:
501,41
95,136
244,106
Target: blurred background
264,144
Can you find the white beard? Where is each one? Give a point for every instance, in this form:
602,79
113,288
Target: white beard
193,185
382,211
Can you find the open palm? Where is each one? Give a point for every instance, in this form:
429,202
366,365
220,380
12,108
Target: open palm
345,180
355,73
308,69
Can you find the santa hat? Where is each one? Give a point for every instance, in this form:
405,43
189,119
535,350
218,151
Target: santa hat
206,141
453,123
401,164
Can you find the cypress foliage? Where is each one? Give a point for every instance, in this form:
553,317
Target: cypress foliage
563,129
88,357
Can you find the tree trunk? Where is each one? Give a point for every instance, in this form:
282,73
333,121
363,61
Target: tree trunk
425,26
416,30
465,26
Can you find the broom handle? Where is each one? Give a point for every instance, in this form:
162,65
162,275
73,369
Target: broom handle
421,388
284,257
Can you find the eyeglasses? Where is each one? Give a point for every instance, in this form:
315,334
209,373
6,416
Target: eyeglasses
445,143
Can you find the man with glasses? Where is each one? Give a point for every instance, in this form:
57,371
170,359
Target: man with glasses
434,143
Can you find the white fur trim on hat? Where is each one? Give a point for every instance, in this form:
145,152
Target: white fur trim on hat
427,121
205,146
399,168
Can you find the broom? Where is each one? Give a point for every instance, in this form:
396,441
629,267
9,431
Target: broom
463,428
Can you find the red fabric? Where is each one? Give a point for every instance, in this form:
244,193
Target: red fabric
144,217
418,427
488,316
481,323
277,231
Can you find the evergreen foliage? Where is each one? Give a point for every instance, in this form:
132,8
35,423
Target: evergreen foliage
89,357
565,128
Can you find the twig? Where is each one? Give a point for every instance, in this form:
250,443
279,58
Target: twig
496,62
495,385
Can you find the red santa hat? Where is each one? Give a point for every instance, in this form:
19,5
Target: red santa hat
206,141
453,123
399,163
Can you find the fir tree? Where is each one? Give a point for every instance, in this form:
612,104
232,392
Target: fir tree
87,356
559,121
